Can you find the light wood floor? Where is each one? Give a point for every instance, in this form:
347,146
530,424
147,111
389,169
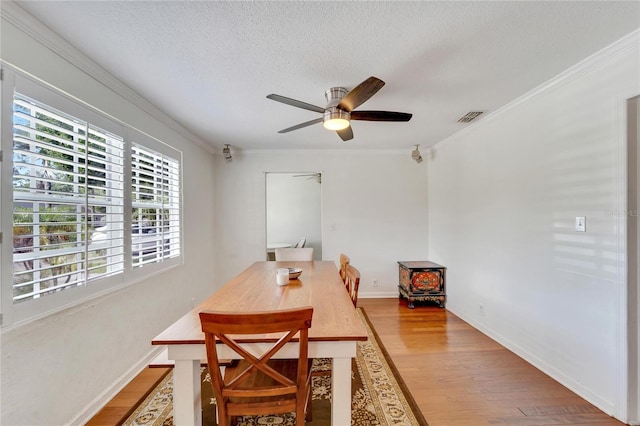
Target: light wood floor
460,377
457,375
123,404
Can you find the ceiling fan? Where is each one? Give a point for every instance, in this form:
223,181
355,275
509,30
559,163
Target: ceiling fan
316,176
340,108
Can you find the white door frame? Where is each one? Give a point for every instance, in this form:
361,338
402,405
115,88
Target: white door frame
630,221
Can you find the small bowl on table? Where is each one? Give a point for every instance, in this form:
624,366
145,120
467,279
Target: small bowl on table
294,273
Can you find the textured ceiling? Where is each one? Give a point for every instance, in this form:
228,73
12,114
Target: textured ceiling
210,64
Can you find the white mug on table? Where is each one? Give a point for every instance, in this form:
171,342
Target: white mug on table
282,276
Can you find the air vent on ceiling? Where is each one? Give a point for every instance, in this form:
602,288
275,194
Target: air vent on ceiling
470,116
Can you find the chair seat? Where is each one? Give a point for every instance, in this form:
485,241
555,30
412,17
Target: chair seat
286,367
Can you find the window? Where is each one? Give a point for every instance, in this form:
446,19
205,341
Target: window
68,190
155,195
96,204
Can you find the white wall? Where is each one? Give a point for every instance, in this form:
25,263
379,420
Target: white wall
373,209
58,369
503,197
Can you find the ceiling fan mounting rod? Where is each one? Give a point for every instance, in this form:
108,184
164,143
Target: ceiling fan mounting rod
334,96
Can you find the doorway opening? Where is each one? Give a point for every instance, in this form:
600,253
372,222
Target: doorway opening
293,211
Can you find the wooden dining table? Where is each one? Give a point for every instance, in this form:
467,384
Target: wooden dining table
335,330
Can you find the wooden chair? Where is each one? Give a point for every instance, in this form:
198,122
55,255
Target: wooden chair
259,384
352,282
294,253
344,261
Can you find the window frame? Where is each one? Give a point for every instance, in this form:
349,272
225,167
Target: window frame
76,174
148,144
14,314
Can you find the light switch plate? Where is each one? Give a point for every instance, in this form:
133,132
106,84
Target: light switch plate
581,224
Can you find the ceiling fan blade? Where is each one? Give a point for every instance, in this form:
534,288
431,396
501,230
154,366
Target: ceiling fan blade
301,125
295,103
360,94
345,134
380,116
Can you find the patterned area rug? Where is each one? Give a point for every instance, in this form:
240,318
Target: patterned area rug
379,397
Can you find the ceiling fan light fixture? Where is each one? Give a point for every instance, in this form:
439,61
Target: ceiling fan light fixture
336,119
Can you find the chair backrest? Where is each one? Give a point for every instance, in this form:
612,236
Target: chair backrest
259,388
352,282
344,261
294,253
301,243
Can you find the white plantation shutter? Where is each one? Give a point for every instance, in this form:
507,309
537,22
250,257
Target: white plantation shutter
92,210
155,201
68,201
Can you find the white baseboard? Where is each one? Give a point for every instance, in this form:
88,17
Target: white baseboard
378,295
606,406
102,399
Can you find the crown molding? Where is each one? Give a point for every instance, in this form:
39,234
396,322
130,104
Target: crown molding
17,16
619,48
302,151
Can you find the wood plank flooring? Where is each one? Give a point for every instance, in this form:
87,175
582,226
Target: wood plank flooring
457,375
460,377
123,404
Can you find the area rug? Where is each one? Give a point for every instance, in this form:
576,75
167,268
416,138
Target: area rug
379,396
